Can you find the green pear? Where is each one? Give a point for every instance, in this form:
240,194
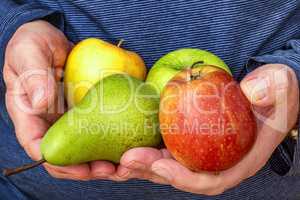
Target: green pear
172,63
119,113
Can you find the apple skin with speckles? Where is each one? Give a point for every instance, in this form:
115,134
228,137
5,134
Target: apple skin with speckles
206,121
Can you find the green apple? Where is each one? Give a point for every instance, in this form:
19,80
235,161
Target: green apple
172,63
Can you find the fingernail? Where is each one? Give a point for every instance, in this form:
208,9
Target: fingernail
37,96
257,88
136,165
163,173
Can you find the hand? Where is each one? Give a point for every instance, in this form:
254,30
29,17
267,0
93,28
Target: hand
34,61
273,91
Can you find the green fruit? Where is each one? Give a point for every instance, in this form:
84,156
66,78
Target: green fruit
119,113
172,63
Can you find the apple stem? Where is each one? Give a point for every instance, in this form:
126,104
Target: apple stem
196,63
197,75
9,172
120,42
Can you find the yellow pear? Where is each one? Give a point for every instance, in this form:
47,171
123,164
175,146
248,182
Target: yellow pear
93,59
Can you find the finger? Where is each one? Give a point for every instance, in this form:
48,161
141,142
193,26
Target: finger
139,159
57,43
273,90
126,174
10,76
76,172
33,68
142,157
266,84
102,169
57,109
136,163
29,128
182,178
60,54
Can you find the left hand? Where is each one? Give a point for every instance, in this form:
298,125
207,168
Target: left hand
34,59
273,91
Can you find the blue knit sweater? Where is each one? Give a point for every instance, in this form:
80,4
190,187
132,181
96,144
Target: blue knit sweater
245,34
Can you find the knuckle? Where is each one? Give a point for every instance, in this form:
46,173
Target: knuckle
19,43
9,106
291,74
21,141
24,42
286,70
6,79
27,147
14,43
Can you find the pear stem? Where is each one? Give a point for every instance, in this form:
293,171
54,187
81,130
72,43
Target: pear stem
9,172
120,42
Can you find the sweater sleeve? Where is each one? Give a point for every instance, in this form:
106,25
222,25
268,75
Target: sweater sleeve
13,15
286,158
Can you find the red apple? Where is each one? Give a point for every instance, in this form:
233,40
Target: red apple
205,119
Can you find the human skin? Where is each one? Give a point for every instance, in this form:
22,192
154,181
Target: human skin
271,96
273,92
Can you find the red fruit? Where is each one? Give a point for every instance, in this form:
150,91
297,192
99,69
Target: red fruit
205,119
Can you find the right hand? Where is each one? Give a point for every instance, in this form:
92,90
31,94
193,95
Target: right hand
34,61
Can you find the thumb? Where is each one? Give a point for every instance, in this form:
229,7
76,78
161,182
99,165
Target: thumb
262,86
41,88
